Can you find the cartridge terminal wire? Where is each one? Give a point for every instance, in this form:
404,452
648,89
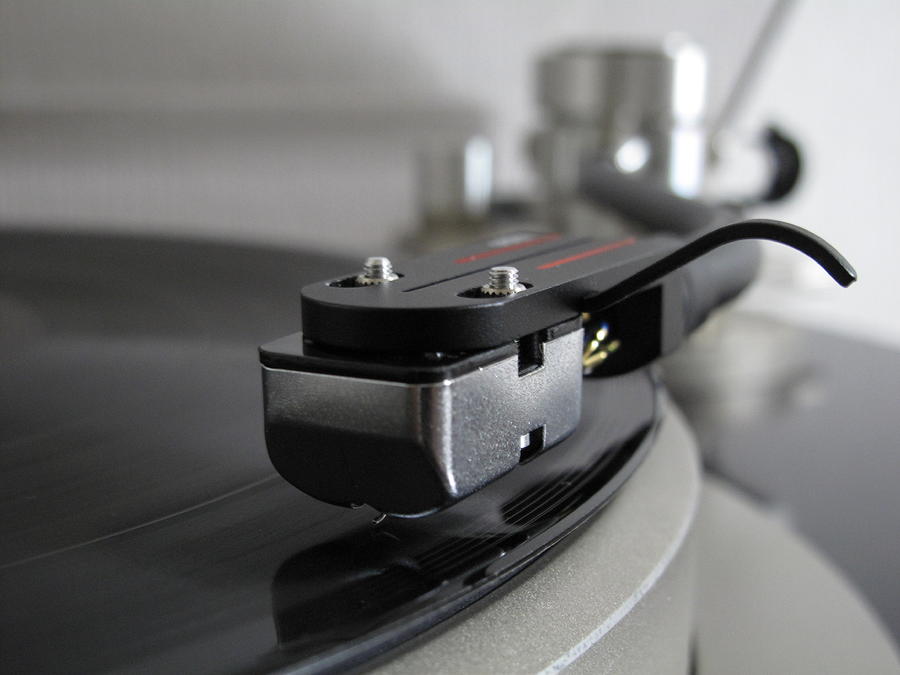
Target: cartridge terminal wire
598,348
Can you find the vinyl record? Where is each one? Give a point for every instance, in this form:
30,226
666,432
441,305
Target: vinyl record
143,526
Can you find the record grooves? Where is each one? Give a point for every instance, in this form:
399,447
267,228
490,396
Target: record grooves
143,525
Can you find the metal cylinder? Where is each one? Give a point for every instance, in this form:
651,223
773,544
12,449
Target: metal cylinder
455,182
626,86
640,107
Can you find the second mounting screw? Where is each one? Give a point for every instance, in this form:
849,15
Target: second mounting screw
503,280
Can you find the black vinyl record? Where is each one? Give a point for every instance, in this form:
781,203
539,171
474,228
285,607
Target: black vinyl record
142,524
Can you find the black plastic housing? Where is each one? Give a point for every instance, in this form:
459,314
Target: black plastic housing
435,307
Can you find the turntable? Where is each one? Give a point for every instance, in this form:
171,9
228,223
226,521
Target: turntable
221,457
145,529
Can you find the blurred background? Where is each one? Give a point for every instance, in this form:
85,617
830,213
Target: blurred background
297,122
355,127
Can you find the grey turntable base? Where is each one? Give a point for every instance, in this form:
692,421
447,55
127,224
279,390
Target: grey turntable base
679,573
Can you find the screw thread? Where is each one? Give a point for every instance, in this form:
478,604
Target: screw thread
377,267
504,278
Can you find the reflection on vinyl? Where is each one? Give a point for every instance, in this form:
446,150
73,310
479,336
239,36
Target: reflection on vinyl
142,523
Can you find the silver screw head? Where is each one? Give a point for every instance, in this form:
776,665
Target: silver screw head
503,280
377,270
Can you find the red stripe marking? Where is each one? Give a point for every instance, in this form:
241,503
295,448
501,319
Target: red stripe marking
588,254
507,249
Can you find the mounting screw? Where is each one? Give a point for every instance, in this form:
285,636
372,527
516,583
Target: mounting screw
376,270
503,281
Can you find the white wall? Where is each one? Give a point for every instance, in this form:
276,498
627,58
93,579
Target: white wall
834,79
